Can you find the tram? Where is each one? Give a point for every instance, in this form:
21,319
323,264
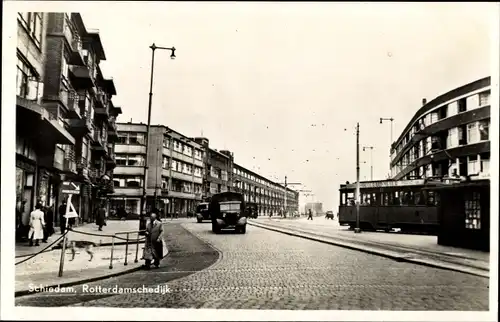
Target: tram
389,204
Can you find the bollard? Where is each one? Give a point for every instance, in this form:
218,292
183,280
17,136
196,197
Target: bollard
126,252
137,249
112,247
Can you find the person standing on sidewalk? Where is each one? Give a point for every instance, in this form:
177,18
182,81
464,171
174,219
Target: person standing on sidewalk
37,224
49,223
153,249
101,217
310,215
62,219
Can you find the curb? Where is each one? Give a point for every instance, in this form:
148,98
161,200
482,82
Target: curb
398,258
87,280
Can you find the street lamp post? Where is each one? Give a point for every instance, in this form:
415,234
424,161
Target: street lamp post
172,56
371,160
382,119
357,229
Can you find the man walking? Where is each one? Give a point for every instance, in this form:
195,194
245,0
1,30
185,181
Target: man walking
62,218
101,217
310,216
153,249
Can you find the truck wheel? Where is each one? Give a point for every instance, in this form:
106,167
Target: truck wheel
243,229
199,220
215,228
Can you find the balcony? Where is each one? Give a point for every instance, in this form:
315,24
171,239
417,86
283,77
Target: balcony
80,77
36,119
82,167
76,57
82,126
97,142
101,108
73,105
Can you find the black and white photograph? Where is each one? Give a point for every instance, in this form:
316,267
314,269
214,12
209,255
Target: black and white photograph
178,160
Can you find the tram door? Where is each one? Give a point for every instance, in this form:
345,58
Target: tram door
382,209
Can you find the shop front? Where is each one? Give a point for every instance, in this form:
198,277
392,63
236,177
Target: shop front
464,214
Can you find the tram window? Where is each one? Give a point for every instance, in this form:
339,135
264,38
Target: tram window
390,196
385,199
374,199
430,198
419,200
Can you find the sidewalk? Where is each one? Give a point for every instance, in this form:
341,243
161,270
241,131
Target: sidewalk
112,227
421,249
42,270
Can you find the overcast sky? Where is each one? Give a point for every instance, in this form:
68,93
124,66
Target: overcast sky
278,84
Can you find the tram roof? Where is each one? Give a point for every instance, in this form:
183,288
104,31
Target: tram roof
383,184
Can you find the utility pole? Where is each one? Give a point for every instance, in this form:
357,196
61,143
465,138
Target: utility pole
371,160
357,229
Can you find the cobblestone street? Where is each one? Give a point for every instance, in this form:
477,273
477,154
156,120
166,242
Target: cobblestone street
269,270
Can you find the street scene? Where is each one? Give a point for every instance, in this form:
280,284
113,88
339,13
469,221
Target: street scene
254,157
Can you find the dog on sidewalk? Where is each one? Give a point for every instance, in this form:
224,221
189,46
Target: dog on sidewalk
81,244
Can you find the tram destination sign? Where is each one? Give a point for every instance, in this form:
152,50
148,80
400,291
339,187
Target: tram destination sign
385,184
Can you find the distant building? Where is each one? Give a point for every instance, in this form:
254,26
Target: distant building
218,169
316,208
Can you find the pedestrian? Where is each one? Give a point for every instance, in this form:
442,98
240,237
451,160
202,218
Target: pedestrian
62,218
153,248
25,220
37,224
101,217
310,215
49,223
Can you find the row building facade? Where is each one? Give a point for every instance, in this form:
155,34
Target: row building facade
182,172
65,119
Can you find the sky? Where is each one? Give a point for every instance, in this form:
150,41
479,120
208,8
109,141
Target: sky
282,86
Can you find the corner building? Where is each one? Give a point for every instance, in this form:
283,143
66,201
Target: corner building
448,135
175,170
447,143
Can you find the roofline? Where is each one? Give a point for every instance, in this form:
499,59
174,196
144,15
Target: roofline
268,180
470,87
164,127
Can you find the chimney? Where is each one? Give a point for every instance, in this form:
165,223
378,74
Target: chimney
424,101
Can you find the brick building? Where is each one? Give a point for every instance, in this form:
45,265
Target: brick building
64,112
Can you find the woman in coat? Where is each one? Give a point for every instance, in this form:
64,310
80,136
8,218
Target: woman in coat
37,224
153,248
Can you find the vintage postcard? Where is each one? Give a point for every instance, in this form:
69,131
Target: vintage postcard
250,161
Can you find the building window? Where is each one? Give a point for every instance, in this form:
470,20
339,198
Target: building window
198,154
472,133
462,105
473,211
166,142
64,69
484,127
484,99
165,163
121,160
136,138
122,138
33,22
27,84
197,171
188,151
462,135
485,163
